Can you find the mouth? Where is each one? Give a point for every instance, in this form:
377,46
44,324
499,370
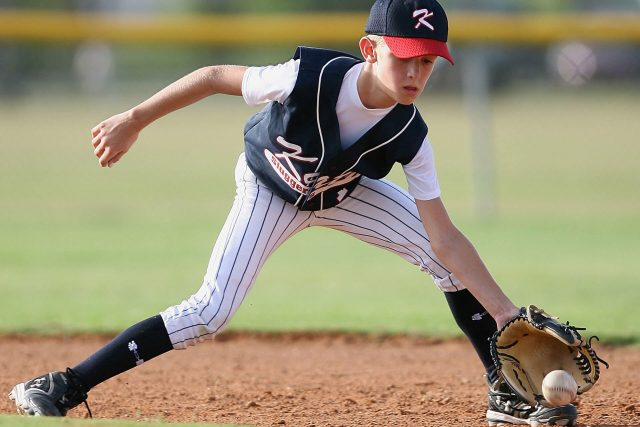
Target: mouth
410,89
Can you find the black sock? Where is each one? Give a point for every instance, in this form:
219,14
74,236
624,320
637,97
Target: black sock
135,345
476,324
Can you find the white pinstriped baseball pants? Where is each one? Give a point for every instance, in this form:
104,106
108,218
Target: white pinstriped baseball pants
377,212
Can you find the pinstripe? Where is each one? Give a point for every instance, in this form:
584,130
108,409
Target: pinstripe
410,227
453,284
265,253
273,229
354,215
224,251
264,218
244,191
402,193
206,334
206,291
245,181
413,203
224,290
235,259
245,283
358,214
271,251
369,238
302,225
397,190
214,256
410,254
284,233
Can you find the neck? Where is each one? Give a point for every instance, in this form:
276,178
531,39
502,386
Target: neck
371,95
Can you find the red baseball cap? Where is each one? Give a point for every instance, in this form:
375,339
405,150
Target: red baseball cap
411,27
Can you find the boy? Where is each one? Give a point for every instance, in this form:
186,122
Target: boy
333,127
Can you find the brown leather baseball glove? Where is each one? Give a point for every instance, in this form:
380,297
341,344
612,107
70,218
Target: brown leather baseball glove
533,344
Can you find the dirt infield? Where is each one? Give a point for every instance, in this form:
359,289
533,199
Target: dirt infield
308,380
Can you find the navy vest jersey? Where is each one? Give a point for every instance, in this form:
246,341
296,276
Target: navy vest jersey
294,148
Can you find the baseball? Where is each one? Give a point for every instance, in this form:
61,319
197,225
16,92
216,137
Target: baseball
559,388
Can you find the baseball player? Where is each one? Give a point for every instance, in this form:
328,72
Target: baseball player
315,156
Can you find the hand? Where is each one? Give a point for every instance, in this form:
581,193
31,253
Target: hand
113,137
503,318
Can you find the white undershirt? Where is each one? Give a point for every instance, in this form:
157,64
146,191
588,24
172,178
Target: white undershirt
276,82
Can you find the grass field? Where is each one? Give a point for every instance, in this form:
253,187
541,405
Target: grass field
88,249
15,421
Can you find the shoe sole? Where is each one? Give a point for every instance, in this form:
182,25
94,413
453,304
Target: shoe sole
495,418
552,421
17,395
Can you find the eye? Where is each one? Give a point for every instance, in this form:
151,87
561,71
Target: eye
426,60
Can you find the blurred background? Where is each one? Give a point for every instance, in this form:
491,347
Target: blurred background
535,130
104,46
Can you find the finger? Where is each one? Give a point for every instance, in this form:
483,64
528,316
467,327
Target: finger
100,148
97,128
105,157
115,159
97,138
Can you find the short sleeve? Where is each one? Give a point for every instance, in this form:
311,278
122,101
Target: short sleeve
269,83
422,178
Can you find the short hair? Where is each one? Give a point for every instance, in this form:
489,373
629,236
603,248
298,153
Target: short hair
376,39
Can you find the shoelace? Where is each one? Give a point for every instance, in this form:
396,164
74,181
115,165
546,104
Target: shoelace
510,400
88,409
78,393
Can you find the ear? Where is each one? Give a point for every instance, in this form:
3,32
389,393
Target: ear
368,50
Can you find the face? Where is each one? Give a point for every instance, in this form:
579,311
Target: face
401,80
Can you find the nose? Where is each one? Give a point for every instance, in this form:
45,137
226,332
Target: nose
413,68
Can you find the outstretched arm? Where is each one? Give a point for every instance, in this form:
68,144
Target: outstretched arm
113,137
459,255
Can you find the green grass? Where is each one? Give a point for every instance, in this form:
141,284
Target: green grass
19,421
88,249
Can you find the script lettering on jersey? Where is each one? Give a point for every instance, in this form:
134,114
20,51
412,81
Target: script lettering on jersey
289,175
326,182
295,152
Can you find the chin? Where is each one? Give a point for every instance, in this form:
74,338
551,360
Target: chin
407,101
